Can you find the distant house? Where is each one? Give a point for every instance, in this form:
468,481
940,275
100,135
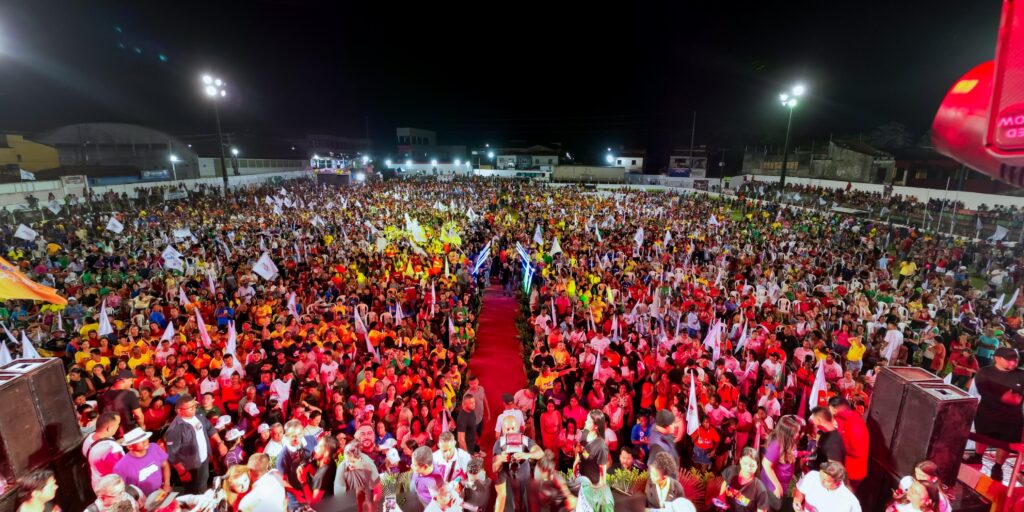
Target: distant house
841,160
631,160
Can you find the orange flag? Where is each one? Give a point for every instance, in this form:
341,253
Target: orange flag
15,285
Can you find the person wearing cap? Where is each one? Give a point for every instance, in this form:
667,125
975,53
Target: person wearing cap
999,414
236,450
161,501
123,400
190,439
661,438
145,465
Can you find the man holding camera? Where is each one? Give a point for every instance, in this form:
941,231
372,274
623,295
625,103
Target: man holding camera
512,453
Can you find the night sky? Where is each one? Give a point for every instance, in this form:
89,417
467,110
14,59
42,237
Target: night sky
587,75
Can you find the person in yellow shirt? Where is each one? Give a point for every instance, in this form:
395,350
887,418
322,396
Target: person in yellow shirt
855,356
137,357
97,359
123,347
439,353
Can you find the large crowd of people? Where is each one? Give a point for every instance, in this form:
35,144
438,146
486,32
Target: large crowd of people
287,344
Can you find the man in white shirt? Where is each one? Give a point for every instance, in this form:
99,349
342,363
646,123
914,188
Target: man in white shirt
328,369
772,366
267,493
101,449
510,410
281,389
824,490
450,460
893,342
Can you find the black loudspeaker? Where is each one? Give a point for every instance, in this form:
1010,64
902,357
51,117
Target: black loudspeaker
887,399
71,470
934,424
335,180
37,417
74,478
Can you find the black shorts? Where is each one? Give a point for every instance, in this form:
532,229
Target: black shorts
1004,429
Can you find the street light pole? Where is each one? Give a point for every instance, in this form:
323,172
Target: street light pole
174,171
216,88
220,140
785,152
788,99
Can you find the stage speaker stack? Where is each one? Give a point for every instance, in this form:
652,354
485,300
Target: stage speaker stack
915,416
886,408
934,424
37,422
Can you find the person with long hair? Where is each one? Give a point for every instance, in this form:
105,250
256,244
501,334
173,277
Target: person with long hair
741,490
317,474
591,464
928,471
778,464
37,491
236,484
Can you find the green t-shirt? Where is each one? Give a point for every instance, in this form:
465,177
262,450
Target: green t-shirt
986,347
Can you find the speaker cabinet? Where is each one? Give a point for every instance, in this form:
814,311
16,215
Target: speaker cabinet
37,418
887,399
934,424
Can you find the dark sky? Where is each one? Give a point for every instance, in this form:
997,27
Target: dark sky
589,75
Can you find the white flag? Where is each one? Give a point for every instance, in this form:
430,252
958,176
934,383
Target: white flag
5,353
977,223
555,247
692,418
168,332
54,207
210,281
183,297
398,314
598,233
819,385
114,225
597,367
266,268
231,347
359,326
292,308
27,350
25,233
668,236
171,253
743,338
639,237
203,334
713,221
105,327
538,235
433,299
948,379
277,209
1000,234
1013,301
25,175
174,264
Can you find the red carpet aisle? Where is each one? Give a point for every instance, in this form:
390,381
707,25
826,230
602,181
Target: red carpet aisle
498,359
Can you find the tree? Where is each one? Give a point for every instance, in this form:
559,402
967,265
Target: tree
891,136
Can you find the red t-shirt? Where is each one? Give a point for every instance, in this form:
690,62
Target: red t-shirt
856,439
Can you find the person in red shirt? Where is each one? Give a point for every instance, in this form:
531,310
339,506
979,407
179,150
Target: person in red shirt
705,440
856,439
